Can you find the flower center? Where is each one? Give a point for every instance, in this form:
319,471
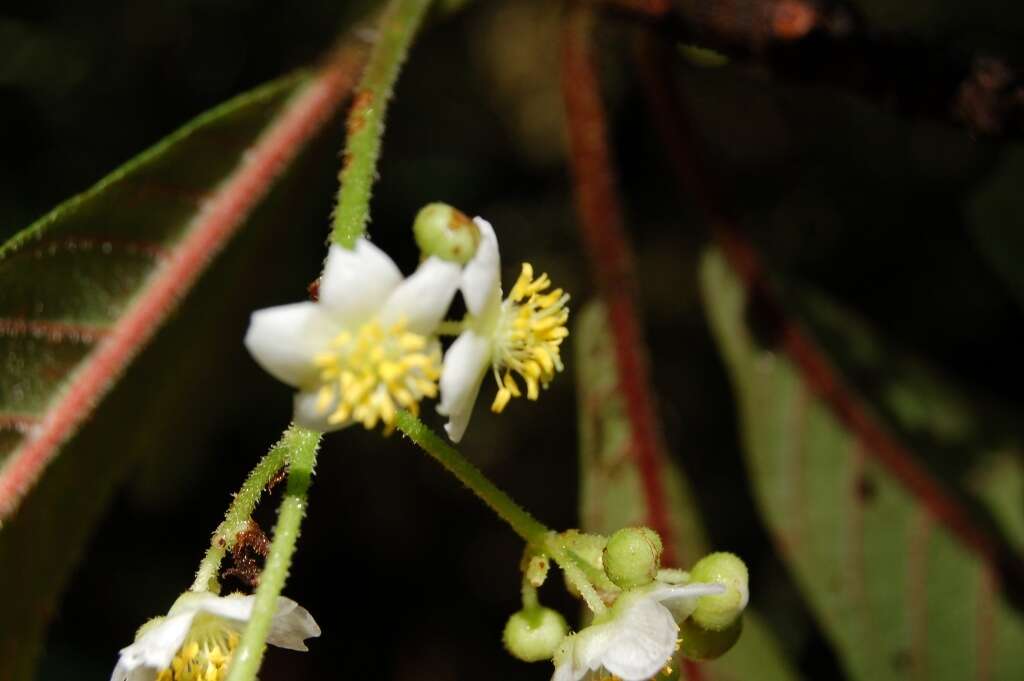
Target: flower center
367,375
531,329
205,654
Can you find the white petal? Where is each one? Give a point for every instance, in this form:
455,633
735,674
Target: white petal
481,277
644,641
682,600
291,626
356,282
122,673
423,299
307,415
566,667
156,648
464,367
592,645
284,339
232,607
565,672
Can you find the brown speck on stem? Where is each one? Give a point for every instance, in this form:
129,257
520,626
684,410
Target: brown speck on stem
314,293
251,546
357,115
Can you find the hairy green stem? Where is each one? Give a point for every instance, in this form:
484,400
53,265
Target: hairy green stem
524,524
535,533
245,662
236,518
396,30
566,560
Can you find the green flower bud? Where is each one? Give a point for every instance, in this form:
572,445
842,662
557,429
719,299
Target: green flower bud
697,643
590,548
718,612
446,232
632,557
534,635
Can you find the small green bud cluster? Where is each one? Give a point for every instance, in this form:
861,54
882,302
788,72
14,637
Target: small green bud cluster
446,232
534,634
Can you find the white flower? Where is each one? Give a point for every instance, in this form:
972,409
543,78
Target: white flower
196,639
521,335
367,347
635,639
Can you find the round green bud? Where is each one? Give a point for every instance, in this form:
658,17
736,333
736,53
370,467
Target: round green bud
535,634
632,557
717,613
697,643
446,232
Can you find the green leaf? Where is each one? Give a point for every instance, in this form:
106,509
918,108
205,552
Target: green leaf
91,262
612,492
86,286
878,538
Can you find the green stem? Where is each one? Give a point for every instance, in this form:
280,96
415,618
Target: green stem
237,516
574,573
397,28
247,657
525,525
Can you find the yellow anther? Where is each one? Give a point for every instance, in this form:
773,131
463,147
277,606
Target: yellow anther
500,400
511,385
529,337
372,369
205,656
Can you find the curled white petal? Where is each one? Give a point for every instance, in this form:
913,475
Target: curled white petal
357,281
481,277
285,339
681,601
291,626
465,365
155,648
424,297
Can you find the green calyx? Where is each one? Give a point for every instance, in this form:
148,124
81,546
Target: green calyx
533,635
446,233
632,557
718,613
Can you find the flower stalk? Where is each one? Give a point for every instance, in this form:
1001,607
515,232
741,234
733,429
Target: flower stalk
301,462
533,532
240,510
397,28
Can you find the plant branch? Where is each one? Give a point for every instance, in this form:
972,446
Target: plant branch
601,225
302,452
397,28
832,46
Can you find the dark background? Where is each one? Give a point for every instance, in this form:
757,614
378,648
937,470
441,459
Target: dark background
409,577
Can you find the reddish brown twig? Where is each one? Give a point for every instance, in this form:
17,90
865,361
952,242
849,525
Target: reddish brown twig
601,225
818,372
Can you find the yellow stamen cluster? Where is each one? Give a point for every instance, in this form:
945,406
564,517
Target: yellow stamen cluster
367,375
203,657
531,329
